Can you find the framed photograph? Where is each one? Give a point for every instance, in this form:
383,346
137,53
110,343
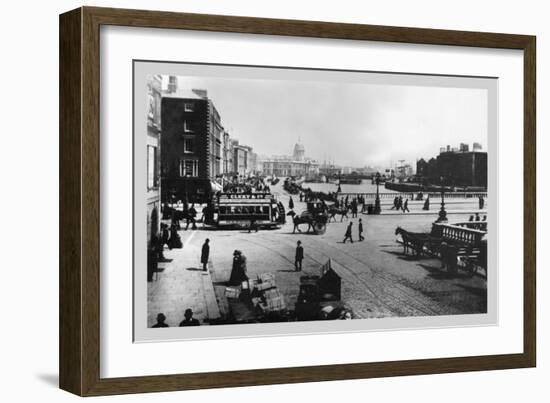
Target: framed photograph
263,201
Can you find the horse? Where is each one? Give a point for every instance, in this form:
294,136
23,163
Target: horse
299,219
333,211
412,240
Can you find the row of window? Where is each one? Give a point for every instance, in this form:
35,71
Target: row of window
235,210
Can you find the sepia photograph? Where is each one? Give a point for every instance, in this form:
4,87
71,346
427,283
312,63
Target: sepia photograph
278,196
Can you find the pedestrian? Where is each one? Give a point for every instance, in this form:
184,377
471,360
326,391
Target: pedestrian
189,319
361,230
191,214
175,241
290,203
301,197
299,256
395,203
406,206
400,203
471,218
484,218
160,321
205,254
478,218
354,210
238,271
426,204
348,233
481,202
165,239
253,225
174,216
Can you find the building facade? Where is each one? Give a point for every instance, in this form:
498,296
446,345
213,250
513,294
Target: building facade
455,167
239,158
227,155
192,136
284,166
153,156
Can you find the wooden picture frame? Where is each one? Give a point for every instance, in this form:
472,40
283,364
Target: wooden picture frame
79,346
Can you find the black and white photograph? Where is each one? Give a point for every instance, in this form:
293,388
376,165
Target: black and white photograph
278,196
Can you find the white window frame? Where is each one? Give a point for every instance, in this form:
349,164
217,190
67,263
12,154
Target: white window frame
186,127
185,150
194,168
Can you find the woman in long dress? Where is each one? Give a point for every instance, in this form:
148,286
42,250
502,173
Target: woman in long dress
238,271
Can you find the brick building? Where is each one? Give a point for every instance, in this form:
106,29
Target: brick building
457,166
192,136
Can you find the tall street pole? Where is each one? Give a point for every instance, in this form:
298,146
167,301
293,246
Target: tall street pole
377,208
442,213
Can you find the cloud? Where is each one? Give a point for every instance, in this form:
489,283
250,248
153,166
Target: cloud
352,124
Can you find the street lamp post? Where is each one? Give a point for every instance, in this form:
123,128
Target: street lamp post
377,208
442,213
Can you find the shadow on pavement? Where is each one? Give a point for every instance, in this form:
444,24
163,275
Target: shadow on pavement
438,274
402,256
477,291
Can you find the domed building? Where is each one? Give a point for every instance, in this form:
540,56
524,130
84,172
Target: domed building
296,164
299,152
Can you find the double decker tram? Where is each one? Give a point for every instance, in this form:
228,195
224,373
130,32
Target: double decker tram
243,209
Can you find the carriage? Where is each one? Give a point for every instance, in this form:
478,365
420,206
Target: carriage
459,244
316,217
248,209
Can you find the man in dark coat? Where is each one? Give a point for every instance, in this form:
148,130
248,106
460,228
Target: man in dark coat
165,235
205,254
395,203
290,203
161,318
426,204
191,214
348,233
361,230
189,319
299,256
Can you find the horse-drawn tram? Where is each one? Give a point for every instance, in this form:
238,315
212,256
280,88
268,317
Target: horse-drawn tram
248,209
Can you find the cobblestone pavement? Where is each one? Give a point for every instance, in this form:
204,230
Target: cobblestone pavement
377,279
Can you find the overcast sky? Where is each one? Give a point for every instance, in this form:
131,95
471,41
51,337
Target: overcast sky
351,124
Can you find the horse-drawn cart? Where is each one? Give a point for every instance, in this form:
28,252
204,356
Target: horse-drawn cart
457,245
316,217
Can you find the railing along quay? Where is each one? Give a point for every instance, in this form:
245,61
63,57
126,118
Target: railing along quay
413,195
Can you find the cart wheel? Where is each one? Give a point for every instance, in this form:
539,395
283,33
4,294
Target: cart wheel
319,228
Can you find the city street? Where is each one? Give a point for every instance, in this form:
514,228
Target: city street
378,280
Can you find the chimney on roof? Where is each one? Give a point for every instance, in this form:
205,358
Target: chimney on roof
172,84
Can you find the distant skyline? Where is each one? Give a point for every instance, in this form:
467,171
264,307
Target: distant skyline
350,124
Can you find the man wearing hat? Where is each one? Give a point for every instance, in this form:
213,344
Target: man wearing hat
299,256
161,318
189,320
205,254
